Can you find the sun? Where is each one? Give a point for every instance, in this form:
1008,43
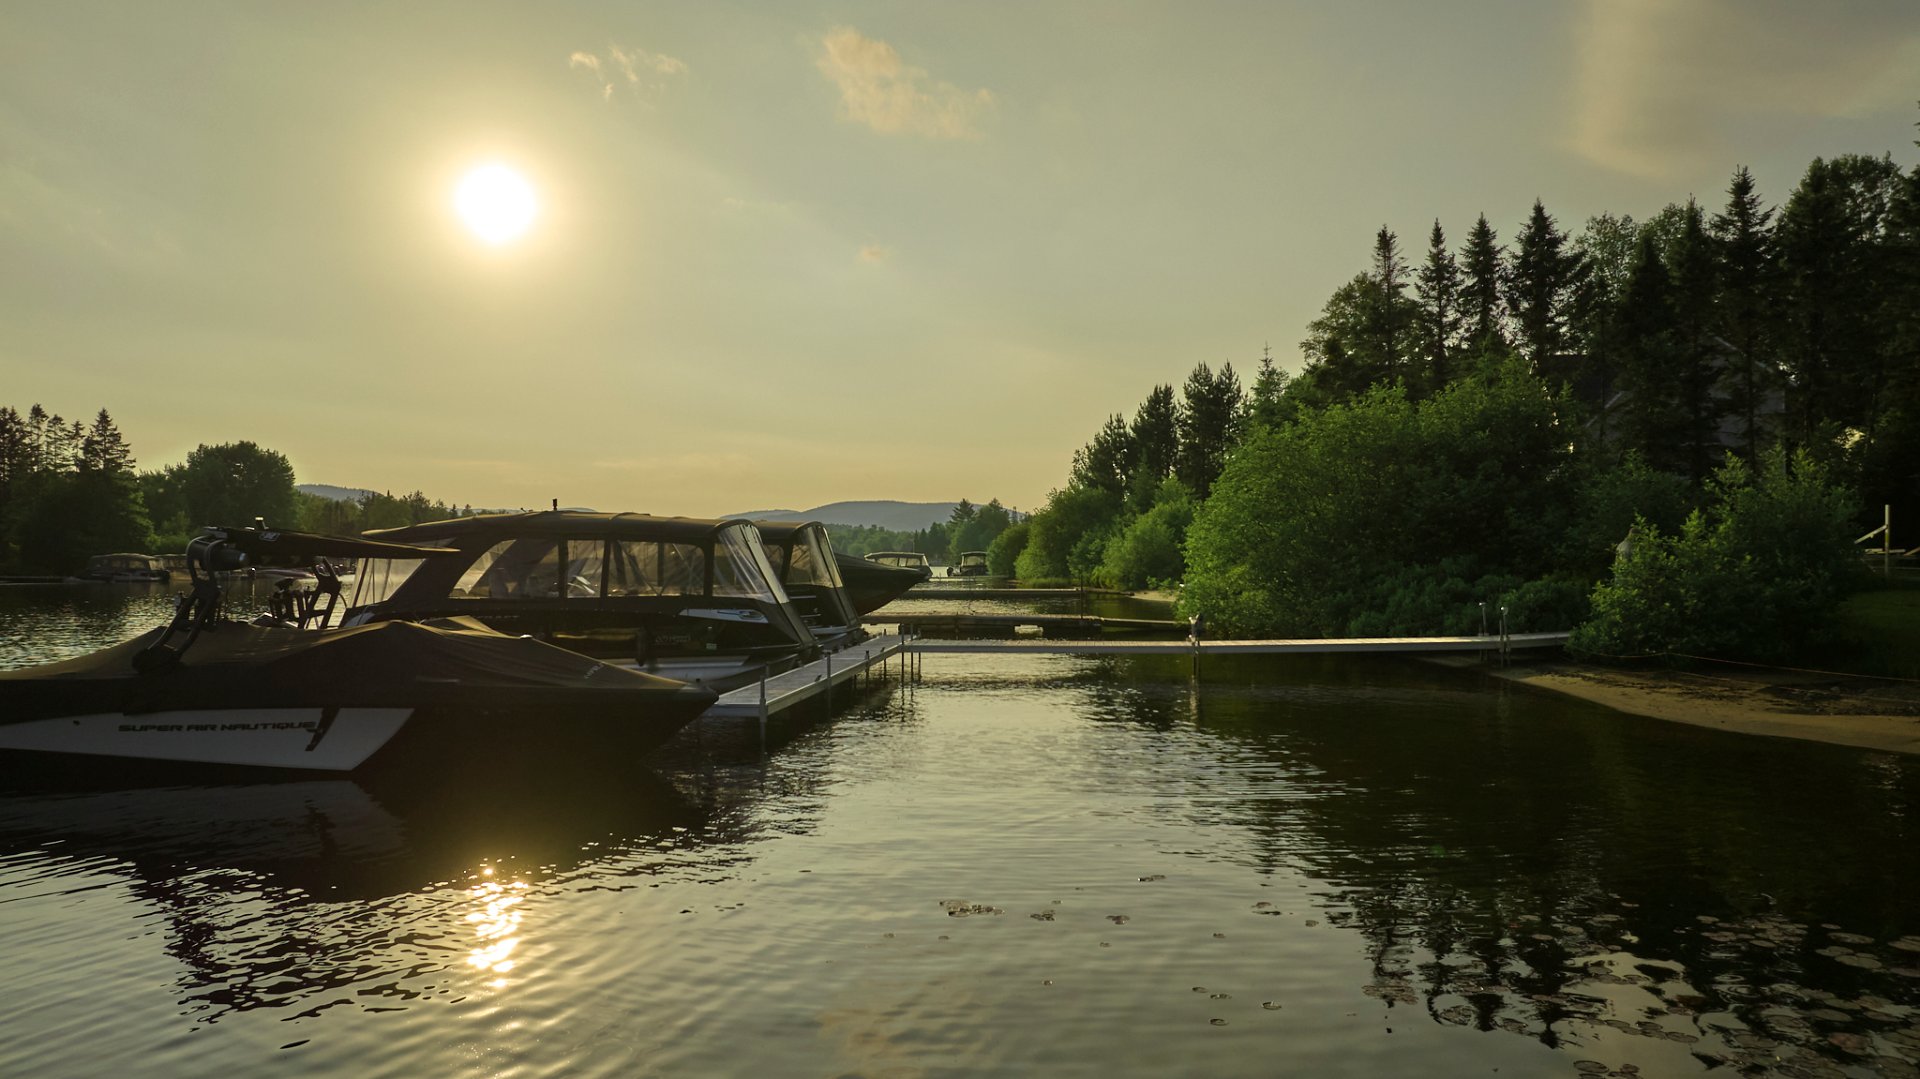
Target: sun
496,203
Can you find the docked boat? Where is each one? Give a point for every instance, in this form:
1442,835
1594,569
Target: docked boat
912,560
124,569
970,564
804,563
870,585
686,598
276,693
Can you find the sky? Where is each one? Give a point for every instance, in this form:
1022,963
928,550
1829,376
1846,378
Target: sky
791,253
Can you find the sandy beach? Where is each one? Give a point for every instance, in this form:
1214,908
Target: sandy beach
1841,709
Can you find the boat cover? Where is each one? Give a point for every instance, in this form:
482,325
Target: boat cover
384,665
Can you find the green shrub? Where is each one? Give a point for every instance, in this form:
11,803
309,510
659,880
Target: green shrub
1759,576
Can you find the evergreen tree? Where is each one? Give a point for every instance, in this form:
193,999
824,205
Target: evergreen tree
1539,284
1834,289
1743,306
1342,360
103,449
1103,463
1644,332
1389,314
1266,409
1483,269
1697,351
1155,433
1210,421
1441,322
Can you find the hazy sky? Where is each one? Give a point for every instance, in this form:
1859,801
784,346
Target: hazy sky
789,253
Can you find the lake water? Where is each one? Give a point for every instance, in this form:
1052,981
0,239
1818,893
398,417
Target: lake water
1019,865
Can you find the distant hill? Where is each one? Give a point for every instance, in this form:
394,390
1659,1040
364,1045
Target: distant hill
328,490
888,514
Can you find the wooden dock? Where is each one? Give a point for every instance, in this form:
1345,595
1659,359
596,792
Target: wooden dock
776,694
1490,643
1006,625
780,692
923,592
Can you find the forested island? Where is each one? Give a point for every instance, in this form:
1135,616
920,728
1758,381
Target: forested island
1665,434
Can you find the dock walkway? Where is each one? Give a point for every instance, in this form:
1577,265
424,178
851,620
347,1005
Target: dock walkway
776,694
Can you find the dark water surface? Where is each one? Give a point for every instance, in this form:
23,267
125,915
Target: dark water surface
1019,866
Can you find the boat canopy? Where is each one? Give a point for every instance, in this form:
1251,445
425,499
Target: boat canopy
564,555
907,559
803,561
973,558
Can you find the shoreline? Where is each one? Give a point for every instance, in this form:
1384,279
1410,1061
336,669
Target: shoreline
1854,711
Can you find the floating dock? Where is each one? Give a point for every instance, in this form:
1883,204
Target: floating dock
776,694
1490,643
949,592
1005,625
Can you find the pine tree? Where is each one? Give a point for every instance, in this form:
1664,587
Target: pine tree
1438,289
1743,306
1483,267
1390,315
1102,464
1644,331
1696,350
1269,387
1155,433
103,449
1539,284
1213,412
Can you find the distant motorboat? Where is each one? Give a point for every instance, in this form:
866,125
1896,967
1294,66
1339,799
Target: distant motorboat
971,564
871,585
912,560
123,569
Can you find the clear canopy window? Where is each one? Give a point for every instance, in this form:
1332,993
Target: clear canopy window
740,566
527,568
809,563
644,568
376,579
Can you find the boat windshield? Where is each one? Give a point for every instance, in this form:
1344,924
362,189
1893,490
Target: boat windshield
973,558
376,579
810,562
740,566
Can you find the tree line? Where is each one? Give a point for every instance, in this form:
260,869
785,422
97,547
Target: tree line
72,490
968,527
1737,390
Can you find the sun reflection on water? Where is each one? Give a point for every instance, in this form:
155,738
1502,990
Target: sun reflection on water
496,923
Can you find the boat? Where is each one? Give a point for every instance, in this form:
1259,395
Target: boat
283,693
971,564
805,565
123,568
871,585
912,560
691,599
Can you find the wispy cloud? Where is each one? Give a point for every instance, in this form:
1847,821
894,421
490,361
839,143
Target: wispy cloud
639,72
875,253
879,90
1659,80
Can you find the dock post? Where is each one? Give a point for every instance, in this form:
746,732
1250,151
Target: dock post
763,706
1506,639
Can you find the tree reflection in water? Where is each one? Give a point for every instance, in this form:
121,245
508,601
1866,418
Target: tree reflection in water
1567,879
